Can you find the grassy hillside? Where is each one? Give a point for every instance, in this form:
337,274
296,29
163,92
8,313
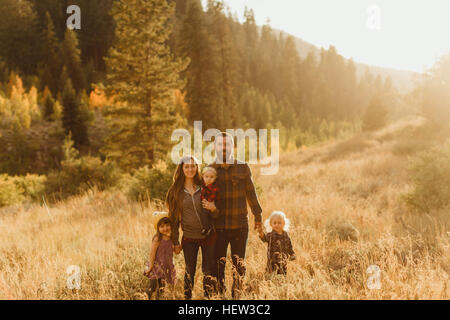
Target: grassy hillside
344,200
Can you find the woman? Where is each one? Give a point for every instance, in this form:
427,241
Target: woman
186,208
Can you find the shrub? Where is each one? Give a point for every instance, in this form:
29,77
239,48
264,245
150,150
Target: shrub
35,150
10,192
16,190
150,183
78,175
32,185
343,230
431,178
405,147
436,94
358,143
376,114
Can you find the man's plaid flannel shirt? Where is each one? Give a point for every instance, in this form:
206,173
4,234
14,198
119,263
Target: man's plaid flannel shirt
236,188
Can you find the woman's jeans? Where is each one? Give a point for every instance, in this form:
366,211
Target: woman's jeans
190,251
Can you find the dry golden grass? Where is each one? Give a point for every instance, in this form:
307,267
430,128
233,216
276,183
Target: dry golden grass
346,214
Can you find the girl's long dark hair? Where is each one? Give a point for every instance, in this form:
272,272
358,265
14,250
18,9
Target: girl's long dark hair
174,197
161,222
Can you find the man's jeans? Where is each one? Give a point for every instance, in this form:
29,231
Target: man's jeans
237,239
190,251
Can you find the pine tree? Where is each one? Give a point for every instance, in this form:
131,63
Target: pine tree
72,60
97,21
48,103
63,77
376,113
57,11
202,78
308,81
142,76
267,60
226,63
365,90
19,35
51,59
289,71
435,92
350,91
251,41
72,118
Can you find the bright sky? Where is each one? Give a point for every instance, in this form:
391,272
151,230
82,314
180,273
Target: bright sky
401,34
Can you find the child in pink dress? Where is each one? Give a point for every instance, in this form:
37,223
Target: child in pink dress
160,268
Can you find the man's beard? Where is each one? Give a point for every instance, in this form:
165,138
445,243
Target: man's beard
225,156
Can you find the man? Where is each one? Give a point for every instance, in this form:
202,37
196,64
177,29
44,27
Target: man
236,188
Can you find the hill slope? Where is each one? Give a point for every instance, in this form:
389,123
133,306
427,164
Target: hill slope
403,80
343,199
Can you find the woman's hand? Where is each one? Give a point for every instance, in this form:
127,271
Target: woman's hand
211,206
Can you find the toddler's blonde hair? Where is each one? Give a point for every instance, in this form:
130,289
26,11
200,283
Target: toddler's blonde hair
209,168
277,214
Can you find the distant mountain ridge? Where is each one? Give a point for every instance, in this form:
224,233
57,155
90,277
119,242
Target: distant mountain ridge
403,80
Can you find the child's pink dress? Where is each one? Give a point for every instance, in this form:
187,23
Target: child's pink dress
163,268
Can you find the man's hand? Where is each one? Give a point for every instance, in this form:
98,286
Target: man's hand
258,227
261,233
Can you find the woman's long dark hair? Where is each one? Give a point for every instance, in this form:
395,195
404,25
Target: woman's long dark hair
174,197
